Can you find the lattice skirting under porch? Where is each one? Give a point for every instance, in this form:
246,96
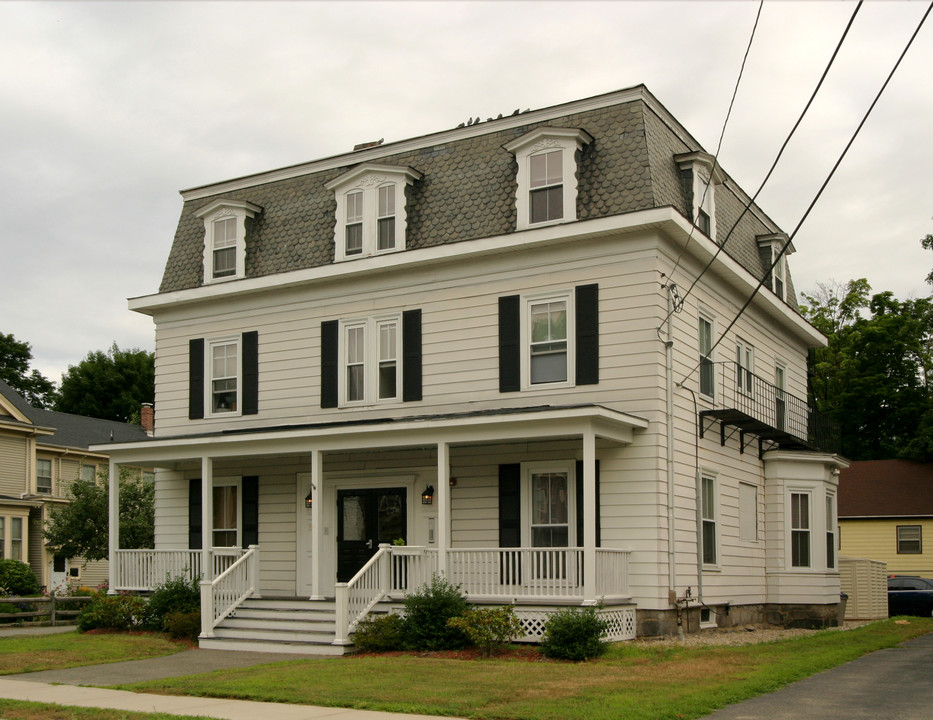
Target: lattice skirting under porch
621,622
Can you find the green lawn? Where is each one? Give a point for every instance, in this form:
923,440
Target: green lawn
21,710
52,652
634,681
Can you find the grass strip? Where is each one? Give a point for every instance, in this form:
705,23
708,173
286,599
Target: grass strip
52,652
634,681
26,710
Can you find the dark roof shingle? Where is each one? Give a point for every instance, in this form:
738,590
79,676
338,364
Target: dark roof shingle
886,488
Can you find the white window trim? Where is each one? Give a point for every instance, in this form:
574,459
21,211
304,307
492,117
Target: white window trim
744,351
712,477
829,530
704,170
370,327
557,466
813,531
527,301
209,345
227,482
368,178
6,536
51,476
218,210
775,242
546,139
709,317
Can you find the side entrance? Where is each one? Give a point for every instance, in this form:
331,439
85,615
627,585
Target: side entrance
367,517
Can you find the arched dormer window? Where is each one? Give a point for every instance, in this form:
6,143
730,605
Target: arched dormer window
225,238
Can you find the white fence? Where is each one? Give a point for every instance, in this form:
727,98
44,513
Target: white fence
141,570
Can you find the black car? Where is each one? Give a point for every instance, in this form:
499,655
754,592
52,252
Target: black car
910,595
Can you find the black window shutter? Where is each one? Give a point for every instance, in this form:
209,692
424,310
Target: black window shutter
587,322
579,495
329,365
250,373
510,522
510,344
196,379
194,514
411,355
250,489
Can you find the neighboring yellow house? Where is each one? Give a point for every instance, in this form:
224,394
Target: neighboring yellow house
41,453
886,513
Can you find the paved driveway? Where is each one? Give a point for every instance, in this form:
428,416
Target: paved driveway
894,683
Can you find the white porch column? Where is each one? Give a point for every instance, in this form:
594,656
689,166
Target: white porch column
589,517
207,517
317,523
443,506
113,523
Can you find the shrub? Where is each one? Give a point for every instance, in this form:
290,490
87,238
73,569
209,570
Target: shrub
183,625
379,633
17,578
574,634
113,612
427,611
488,628
175,595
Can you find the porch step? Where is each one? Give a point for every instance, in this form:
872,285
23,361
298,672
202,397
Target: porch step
285,625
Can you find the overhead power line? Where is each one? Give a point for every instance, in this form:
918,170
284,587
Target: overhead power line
816,198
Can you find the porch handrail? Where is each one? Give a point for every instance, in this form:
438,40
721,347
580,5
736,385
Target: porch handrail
356,597
141,570
221,596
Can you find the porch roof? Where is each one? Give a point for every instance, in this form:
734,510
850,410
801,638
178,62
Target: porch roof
456,428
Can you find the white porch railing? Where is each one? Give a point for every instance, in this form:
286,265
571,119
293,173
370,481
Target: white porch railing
505,575
222,595
142,570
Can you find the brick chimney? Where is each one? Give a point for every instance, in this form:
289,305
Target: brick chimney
147,418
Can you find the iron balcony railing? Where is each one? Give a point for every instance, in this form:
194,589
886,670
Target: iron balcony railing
755,406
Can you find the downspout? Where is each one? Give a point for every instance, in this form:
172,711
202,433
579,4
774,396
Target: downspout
669,363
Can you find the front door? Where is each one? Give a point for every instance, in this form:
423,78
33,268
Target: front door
365,518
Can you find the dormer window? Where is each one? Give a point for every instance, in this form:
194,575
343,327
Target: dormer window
774,263
225,238
547,175
371,212
700,175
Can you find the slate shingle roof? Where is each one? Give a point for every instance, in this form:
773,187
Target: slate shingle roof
468,192
886,488
73,431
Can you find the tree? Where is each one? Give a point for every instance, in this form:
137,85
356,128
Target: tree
80,528
873,378
109,385
15,357
927,244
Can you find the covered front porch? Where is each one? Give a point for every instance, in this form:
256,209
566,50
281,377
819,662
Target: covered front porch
503,503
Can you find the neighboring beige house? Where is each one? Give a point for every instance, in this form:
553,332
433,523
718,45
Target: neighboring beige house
886,514
481,341
41,453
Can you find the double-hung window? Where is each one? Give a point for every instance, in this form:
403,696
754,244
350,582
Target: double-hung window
224,369
11,538
708,515
780,400
830,532
225,531
547,175
699,176
707,365
225,238
371,210
43,476
550,522
223,376
909,540
800,529
370,360
744,367
548,358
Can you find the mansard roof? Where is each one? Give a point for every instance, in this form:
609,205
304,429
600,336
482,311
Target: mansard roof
467,187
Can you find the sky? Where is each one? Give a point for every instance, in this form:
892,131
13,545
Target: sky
109,109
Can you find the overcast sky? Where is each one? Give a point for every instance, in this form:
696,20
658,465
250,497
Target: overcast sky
108,109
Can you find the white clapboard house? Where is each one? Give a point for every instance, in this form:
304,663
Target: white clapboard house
473,353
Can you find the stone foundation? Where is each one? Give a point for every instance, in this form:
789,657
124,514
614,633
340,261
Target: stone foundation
655,623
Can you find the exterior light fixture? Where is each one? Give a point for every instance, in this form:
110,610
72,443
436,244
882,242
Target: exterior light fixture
308,499
427,497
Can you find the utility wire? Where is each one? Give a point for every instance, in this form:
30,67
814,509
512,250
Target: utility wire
722,134
777,159
819,192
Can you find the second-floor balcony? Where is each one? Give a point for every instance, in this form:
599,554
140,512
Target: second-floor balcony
758,409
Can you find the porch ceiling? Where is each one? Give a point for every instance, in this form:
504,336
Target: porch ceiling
464,428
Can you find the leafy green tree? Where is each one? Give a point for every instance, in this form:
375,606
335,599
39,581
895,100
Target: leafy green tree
79,529
15,358
927,244
109,385
873,377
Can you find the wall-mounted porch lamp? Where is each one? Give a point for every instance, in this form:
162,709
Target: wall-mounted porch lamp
427,496
309,500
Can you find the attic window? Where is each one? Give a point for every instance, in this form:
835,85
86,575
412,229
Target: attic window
225,238
769,250
547,175
700,175
371,210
